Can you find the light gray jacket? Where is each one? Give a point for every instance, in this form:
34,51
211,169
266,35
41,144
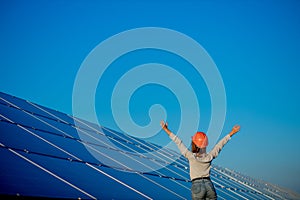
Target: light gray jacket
200,166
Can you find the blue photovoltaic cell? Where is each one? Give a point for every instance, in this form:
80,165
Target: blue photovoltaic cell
42,155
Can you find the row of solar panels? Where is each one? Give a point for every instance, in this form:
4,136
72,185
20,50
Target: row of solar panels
46,153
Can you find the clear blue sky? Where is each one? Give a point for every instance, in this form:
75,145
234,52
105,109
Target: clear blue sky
255,45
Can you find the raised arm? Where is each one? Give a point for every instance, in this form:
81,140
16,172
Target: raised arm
218,147
182,148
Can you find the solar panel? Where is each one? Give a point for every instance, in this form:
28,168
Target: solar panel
42,155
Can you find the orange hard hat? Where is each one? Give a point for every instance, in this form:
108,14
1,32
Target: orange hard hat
200,139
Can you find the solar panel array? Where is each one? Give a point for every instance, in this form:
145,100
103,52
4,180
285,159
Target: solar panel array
42,155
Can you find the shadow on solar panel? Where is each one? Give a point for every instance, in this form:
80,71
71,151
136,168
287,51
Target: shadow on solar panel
42,155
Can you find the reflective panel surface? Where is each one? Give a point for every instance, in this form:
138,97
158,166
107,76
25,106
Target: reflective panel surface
42,155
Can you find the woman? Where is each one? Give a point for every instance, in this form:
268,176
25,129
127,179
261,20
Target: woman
200,161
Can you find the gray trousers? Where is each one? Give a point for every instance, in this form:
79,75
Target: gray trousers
203,189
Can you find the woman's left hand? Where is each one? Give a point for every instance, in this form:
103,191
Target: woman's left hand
164,126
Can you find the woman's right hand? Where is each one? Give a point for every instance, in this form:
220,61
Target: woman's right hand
235,129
